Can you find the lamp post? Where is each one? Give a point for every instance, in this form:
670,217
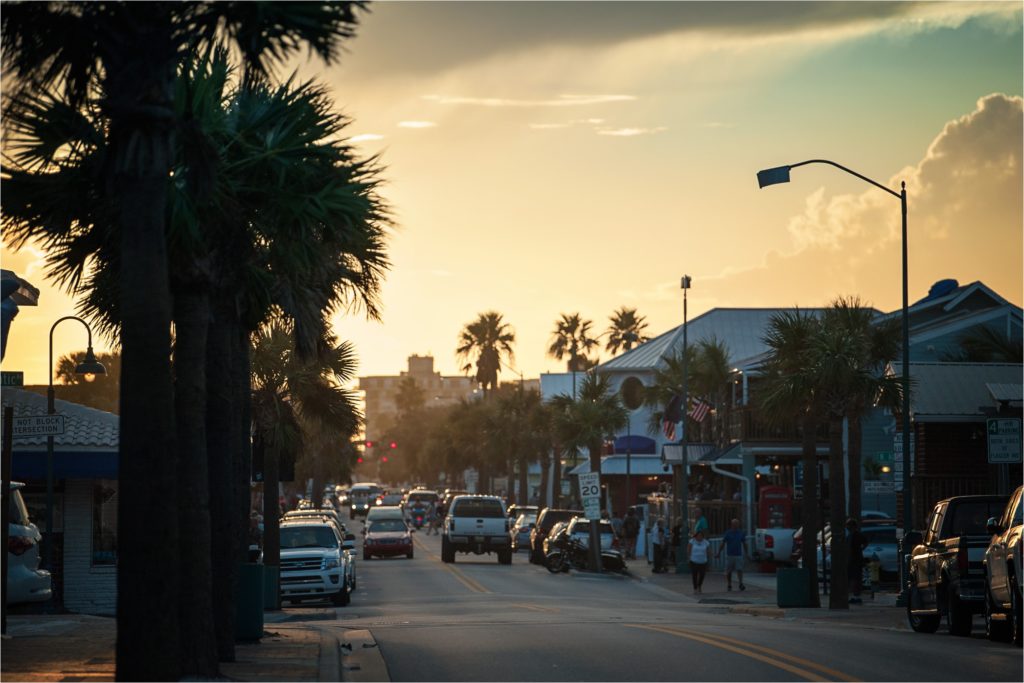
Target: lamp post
89,367
682,474
780,174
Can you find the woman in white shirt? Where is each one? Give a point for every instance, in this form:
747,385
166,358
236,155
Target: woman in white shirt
697,552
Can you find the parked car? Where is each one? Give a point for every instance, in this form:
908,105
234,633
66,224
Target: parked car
361,498
881,544
946,576
579,530
552,538
392,498
478,525
26,582
515,510
520,533
314,562
1003,573
545,520
386,538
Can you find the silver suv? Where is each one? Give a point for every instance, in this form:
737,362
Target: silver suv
314,563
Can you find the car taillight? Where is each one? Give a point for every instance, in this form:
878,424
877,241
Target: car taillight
769,541
17,545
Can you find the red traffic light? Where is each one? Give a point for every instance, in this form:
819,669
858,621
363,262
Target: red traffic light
359,459
384,458
394,445
369,444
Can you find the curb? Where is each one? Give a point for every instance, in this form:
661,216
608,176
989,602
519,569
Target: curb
758,611
360,658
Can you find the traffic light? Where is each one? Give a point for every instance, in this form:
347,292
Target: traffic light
394,445
369,444
359,460
384,458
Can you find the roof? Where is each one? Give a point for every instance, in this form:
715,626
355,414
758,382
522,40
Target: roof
959,392
86,429
741,329
640,465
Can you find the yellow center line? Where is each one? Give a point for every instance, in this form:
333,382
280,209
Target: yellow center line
536,608
470,583
747,650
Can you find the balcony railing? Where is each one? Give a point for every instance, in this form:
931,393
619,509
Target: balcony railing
748,423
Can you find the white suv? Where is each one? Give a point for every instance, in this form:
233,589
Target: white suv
314,563
26,582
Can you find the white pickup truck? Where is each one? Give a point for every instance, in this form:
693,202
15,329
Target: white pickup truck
773,545
478,525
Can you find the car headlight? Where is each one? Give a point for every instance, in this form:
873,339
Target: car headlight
331,562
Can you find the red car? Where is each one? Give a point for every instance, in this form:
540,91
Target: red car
387,538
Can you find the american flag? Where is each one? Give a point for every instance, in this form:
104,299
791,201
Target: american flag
699,409
669,428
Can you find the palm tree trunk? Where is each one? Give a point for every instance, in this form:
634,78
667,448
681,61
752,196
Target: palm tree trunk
272,513
856,466
241,382
545,478
556,476
837,599
524,481
221,416
811,522
147,610
198,643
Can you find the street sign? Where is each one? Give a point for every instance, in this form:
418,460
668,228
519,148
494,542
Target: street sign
590,494
883,457
1003,441
38,425
12,378
874,487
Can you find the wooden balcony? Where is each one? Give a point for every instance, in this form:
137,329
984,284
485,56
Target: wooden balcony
747,423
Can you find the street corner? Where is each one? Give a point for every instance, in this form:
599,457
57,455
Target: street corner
361,658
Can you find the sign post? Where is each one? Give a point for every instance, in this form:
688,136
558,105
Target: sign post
590,494
1004,447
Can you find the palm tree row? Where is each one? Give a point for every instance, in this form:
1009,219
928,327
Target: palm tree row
168,190
830,369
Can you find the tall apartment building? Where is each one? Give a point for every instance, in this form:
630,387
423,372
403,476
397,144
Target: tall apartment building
380,392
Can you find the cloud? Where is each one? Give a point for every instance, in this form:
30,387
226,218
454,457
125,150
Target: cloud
549,126
964,221
416,124
560,101
629,132
366,137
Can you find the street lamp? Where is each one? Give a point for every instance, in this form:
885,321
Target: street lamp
89,367
780,174
682,474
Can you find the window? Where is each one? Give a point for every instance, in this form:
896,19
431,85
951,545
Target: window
104,523
308,537
477,507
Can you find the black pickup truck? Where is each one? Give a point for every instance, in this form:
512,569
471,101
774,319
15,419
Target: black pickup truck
946,575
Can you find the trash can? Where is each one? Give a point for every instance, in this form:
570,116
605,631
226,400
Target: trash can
249,610
271,587
791,586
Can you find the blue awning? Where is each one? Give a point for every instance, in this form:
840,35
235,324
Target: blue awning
636,444
28,465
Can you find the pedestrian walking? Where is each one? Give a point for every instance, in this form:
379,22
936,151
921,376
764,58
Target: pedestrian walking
698,551
658,546
700,522
630,530
856,541
734,543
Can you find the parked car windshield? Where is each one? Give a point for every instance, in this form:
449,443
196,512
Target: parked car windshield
969,517
476,507
308,537
387,525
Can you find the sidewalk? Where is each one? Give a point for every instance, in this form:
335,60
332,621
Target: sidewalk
76,647
760,599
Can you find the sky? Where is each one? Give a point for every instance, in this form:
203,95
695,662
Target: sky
545,158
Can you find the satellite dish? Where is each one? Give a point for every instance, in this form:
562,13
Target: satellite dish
632,392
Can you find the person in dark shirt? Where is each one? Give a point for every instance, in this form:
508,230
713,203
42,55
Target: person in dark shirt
734,543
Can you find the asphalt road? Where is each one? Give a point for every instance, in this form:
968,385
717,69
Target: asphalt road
477,620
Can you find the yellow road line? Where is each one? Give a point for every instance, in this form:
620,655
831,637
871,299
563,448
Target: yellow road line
470,583
536,608
749,650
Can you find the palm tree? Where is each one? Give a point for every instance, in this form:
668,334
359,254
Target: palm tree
984,344
487,342
287,391
666,386
626,329
712,380
788,392
586,422
571,339
135,64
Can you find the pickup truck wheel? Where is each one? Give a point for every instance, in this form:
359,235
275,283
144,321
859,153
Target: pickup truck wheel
342,597
958,615
921,623
994,629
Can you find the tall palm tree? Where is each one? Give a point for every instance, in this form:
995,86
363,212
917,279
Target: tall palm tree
586,422
487,343
572,339
135,62
788,391
666,386
626,329
712,380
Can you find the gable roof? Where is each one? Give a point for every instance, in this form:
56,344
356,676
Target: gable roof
740,329
960,392
86,429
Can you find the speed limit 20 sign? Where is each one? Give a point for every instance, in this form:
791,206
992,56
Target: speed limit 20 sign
590,494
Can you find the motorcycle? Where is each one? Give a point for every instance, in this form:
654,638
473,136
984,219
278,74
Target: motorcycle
418,518
568,553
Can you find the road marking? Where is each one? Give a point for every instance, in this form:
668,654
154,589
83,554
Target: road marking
536,608
751,650
470,583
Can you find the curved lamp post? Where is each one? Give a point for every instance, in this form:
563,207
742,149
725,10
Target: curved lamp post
89,367
682,475
780,174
